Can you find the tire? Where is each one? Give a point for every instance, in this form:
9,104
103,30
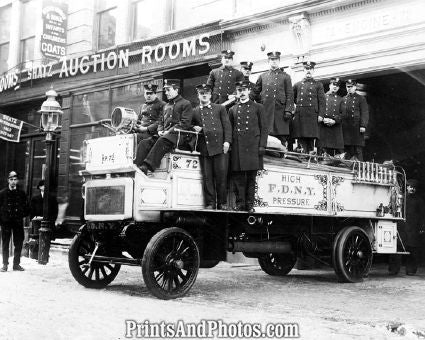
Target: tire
170,263
352,255
277,264
97,275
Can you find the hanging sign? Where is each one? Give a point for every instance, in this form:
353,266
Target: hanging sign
10,128
53,39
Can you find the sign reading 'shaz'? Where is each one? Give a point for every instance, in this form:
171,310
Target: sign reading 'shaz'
10,128
291,190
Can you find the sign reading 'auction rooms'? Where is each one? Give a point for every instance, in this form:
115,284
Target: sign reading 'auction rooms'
53,39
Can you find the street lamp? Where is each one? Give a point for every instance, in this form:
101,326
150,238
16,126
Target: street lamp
50,112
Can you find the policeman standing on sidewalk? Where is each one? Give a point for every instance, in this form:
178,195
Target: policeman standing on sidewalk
13,208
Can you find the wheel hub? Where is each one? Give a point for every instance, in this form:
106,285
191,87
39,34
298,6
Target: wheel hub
178,264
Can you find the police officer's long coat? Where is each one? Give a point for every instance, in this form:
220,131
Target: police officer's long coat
331,136
311,102
274,90
249,132
223,82
355,114
216,128
150,115
177,115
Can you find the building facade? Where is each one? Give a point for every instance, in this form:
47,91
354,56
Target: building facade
98,55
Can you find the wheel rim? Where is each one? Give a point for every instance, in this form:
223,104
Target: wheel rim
277,264
175,263
96,271
357,255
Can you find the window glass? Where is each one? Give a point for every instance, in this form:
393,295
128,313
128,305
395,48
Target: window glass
29,10
105,4
4,24
107,28
90,107
129,96
27,50
4,54
188,13
145,24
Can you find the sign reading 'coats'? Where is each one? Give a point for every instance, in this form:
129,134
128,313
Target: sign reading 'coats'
53,39
10,128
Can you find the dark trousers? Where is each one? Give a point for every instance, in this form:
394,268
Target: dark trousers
306,143
18,239
150,151
214,170
244,187
394,262
354,151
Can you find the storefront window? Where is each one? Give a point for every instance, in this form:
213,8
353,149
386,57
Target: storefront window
107,21
90,107
129,96
27,51
146,25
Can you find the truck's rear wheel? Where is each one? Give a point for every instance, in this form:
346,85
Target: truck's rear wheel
277,264
95,275
352,254
170,263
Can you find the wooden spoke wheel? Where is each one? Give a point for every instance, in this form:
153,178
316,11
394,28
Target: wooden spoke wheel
170,263
352,254
277,264
95,275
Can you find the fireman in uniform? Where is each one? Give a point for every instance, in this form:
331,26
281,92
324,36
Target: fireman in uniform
177,115
310,103
249,140
223,79
274,90
149,113
214,141
410,231
355,116
331,140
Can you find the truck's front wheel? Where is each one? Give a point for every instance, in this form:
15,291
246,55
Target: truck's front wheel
170,263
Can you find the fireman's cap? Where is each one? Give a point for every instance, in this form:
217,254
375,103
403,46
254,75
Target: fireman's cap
350,82
151,87
247,65
274,55
308,65
228,54
171,83
412,182
243,84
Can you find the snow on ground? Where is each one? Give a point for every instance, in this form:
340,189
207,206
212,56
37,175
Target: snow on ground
45,302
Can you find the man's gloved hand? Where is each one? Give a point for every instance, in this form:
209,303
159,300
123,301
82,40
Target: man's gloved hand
320,119
287,115
362,129
261,150
226,147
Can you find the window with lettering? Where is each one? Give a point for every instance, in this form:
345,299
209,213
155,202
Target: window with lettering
149,19
4,37
91,107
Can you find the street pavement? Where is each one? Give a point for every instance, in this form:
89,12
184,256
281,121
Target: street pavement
45,302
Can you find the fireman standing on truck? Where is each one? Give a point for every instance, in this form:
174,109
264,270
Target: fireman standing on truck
223,79
274,90
177,115
331,140
310,103
249,140
355,116
149,113
214,141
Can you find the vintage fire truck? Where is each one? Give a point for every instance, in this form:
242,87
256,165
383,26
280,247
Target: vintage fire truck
338,212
